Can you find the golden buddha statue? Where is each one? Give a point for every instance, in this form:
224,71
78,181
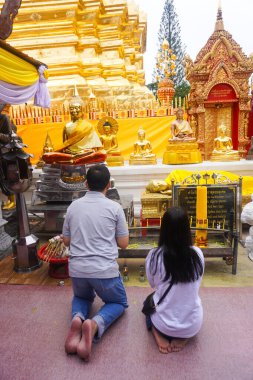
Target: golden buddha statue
48,147
108,128
182,147
181,129
142,154
223,147
81,144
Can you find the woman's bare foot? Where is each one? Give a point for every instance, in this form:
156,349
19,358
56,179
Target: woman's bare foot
74,336
89,329
178,344
162,342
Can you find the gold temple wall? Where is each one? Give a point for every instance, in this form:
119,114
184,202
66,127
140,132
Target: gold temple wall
157,132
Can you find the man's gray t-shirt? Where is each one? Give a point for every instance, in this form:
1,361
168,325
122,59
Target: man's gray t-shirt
92,223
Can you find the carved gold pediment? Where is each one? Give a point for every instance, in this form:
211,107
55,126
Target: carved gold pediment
223,48
223,66
221,74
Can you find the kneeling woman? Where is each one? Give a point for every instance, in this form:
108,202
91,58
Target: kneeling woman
179,316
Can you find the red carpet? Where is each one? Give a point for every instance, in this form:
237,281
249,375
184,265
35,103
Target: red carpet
34,321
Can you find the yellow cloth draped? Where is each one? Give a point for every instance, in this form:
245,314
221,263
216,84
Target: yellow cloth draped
82,129
179,175
15,70
157,132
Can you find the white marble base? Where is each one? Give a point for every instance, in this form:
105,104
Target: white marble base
134,179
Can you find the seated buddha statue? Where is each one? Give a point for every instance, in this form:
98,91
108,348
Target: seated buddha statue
223,147
81,144
142,154
182,147
181,129
108,130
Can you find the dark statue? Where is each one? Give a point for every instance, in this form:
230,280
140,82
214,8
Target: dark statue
8,13
15,178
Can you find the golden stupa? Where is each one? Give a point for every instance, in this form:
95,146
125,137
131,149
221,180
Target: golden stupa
97,45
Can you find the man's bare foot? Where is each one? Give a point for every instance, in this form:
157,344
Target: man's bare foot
178,344
162,342
89,329
74,336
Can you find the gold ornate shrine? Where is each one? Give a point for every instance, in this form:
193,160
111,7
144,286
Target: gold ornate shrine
220,91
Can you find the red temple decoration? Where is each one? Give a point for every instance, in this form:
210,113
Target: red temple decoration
166,91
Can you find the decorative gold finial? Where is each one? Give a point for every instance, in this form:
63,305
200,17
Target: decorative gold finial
165,70
92,95
76,92
165,44
219,20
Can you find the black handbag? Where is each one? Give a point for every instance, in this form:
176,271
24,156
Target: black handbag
149,306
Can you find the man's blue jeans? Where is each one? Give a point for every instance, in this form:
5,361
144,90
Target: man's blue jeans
112,293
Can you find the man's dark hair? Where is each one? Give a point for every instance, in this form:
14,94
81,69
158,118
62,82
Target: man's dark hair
98,177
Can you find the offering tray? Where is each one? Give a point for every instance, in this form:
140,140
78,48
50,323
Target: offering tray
58,266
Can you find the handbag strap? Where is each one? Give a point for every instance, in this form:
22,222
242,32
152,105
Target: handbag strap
165,293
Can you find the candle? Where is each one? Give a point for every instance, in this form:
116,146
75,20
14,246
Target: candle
201,216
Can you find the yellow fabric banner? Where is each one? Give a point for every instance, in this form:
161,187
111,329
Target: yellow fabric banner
15,70
157,132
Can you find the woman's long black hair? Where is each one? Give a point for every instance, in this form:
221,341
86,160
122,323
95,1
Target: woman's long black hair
182,263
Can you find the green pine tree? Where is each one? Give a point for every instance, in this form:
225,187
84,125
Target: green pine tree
171,31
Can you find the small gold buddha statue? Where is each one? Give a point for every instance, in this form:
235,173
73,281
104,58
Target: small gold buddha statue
81,144
48,147
108,128
182,147
142,154
223,147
